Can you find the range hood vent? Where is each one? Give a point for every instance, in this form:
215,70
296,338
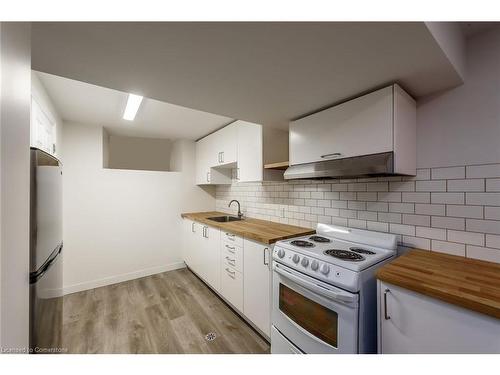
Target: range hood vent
360,166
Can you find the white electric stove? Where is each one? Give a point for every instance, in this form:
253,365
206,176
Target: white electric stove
324,290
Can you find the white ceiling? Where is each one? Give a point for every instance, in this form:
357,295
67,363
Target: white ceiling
89,104
267,73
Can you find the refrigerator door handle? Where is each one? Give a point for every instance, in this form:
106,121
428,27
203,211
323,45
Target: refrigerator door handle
37,275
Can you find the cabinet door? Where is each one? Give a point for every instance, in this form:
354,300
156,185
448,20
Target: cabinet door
202,169
210,256
257,284
43,133
415,323
227,144
250,162
361,126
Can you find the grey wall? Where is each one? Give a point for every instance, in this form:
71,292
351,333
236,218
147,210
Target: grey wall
15,99
152,154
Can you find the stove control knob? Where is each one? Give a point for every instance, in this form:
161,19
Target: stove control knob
295,258
325,268
314,265
281,253
305,262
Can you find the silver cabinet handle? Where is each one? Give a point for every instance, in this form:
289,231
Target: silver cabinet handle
386,316
208,176
206,232
230,273
266,263
192,227
222,156
230,249
333,155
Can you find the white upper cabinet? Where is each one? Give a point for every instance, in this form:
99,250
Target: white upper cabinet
43,129
226,144
381,121
241,147
250,163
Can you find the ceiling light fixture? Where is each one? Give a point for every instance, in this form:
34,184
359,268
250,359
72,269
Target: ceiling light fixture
133,104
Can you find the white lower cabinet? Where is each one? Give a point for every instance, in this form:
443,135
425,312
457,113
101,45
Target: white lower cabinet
237,268
257,284
201,251
411,322
231,286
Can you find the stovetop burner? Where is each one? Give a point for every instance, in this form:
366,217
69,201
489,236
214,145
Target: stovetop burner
360,250
345,255
302,243
319,239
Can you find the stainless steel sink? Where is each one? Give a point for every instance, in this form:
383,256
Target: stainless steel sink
224,219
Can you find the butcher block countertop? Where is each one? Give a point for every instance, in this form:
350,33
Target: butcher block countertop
263,231
469,283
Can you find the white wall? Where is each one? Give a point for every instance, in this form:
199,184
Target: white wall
462,126
15,95
39,93
151,154
121,224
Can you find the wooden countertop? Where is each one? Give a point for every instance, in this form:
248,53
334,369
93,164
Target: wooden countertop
262,231
469,283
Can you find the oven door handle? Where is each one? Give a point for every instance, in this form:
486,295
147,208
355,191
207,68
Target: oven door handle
315,288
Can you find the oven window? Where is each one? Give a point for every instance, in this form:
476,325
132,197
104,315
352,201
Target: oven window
313,317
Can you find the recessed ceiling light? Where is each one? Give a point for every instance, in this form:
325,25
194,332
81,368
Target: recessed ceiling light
133,104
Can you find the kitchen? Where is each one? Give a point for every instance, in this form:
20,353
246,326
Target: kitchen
177,207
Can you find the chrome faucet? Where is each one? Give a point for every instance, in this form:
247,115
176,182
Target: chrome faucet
240,215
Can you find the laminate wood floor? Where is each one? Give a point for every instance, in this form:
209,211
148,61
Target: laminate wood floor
170,312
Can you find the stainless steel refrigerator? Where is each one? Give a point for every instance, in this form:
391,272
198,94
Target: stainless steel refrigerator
45,253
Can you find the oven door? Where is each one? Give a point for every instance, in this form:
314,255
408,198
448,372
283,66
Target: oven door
314,316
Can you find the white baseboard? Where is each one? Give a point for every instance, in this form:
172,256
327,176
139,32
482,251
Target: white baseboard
68,289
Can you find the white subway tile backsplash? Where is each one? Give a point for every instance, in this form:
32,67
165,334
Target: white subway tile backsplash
452,209
423,174
348,196
430,209
448,222
366,196
377,226
448,173
486,199
493,184
377,186
475,212
402,186
466,185
407,208
483,226
448,247
483,171
449,198
466,237
408,230
483,253
493,241
434,185
416,197
432,233
389,197
492,213
421,243
389,217
421,220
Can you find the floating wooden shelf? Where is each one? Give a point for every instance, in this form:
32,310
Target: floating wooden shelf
281,165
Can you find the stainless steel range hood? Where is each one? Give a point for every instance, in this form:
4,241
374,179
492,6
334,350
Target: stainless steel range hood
359,166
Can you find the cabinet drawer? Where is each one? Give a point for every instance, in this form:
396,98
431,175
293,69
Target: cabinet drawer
232,239
232,256
231,286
